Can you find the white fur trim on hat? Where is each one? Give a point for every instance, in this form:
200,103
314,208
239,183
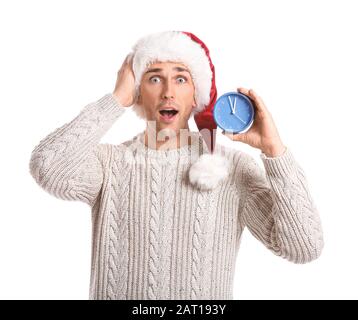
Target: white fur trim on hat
174,46
208,171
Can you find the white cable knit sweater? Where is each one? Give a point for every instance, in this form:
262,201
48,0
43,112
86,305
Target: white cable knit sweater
155,236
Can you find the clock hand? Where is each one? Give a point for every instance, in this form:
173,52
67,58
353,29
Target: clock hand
231,107
239,118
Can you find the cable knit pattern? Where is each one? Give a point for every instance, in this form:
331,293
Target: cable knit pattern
118,231
279,211
166,226
199,244
66,162
154,235
154,230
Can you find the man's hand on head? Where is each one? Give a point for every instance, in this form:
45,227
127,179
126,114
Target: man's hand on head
124,91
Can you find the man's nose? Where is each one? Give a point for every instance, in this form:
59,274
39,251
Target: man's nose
168,91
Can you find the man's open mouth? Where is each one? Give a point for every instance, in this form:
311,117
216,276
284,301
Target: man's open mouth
168,113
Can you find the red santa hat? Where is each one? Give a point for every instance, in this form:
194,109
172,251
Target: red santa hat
180,46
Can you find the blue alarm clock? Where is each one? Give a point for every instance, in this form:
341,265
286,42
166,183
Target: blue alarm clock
234,112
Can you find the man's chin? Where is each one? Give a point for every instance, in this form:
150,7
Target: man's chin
167,125
168,131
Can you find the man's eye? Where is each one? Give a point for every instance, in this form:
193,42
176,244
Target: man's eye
151,79
183,79
156,79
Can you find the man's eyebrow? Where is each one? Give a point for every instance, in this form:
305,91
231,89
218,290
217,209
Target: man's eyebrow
179,69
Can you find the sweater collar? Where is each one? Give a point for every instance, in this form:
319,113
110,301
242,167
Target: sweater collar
197,148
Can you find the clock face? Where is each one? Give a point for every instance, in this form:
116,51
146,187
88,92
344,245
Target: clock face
234,112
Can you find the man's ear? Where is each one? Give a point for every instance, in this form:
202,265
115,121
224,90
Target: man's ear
138,96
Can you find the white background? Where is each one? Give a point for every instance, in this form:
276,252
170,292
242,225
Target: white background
299,56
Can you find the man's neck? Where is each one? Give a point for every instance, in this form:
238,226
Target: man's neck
163,140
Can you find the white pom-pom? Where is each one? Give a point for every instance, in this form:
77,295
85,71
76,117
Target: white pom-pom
208,171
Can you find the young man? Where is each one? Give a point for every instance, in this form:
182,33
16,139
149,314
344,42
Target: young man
168,212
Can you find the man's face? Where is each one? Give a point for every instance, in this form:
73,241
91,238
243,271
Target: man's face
167,86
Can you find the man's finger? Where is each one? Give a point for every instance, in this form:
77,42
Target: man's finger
129,58
234,137
243,90
258,101
252,96
229,134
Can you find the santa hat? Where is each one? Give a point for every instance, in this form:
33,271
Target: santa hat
180,46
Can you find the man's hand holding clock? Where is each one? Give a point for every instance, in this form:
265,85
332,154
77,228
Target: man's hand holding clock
263,133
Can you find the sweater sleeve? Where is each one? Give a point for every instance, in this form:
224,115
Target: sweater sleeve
68,162
279,210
